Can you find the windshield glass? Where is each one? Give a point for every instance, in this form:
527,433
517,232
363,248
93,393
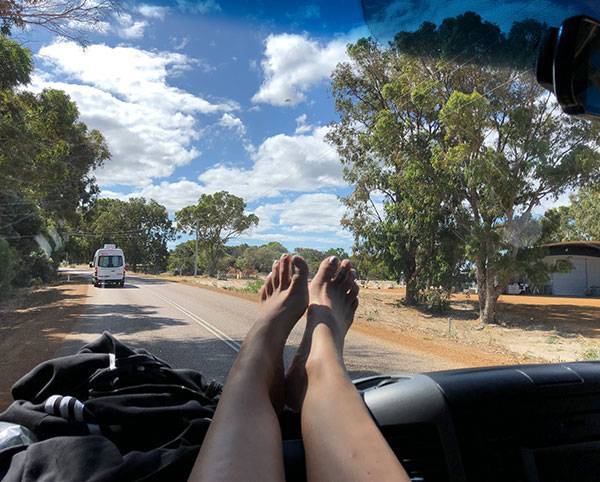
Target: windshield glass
207,138
110,261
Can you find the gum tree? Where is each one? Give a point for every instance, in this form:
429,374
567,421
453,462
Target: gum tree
445,157
213,221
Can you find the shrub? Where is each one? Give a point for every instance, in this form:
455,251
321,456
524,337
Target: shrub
8,265
437,300
34,265
253,286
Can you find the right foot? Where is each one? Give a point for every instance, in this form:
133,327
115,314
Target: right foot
333,299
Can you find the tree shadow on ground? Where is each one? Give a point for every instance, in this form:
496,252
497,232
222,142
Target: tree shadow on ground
121,320
31,322
458,310
149,281
567,320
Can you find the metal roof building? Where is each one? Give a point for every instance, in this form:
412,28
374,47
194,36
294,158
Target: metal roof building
584,277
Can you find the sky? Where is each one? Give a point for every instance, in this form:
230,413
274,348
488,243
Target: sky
199,96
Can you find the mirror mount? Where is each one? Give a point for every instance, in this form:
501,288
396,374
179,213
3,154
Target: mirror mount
569,66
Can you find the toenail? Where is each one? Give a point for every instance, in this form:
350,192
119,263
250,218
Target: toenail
333,259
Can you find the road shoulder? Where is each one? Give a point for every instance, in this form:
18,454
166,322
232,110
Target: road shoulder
34,325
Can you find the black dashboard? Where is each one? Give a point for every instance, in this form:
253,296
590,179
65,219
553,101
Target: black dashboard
529,423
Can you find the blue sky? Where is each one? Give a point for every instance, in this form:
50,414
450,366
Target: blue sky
195,97
199,96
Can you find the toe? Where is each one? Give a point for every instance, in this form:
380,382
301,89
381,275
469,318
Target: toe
275,274
300,270
327,269
284,271
269,285
351,286
342,275
263,292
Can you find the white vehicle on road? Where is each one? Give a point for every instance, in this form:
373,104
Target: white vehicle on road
109,266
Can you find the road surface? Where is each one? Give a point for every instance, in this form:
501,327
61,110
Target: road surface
191,327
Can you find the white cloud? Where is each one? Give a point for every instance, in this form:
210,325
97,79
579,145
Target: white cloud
229,121
124,92
293,64
153,11
173,195
295,221
282,163
199,6
129,28
179,43
301,126
122,23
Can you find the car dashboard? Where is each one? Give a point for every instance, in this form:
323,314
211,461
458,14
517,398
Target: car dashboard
529,423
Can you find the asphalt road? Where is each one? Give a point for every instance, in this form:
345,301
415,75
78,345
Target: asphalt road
191,327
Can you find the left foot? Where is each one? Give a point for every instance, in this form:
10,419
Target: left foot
284,298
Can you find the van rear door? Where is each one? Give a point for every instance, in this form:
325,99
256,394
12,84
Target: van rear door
110,266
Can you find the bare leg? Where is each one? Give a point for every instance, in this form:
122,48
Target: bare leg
341,439
244,439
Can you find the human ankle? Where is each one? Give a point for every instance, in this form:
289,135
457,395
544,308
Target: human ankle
325,351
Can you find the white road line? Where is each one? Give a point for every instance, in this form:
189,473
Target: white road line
230,342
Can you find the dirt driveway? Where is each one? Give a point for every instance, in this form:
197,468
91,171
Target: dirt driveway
34,325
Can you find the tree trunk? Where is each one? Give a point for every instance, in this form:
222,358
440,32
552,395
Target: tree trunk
488,315
481,283
196,254
410,298
211,260
410,269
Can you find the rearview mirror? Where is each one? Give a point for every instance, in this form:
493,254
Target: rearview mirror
91,264
569,65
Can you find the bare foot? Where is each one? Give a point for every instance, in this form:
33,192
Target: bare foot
284,298
333,299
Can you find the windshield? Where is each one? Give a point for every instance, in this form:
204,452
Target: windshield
207,138
110,261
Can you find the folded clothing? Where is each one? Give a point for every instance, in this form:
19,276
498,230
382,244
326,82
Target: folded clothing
109,412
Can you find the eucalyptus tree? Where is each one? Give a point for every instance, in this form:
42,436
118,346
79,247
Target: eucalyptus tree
213,221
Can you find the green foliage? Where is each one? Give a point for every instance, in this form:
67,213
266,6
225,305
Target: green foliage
253,286
140,227
399,212
313,258
247,258
436,300
214,220
369,266
46,157
580,221
15,64
181,259
8,266
591,354
449,161
259,258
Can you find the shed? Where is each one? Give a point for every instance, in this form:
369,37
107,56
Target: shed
584,277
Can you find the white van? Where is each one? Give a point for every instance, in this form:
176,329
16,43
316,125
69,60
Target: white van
109,266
